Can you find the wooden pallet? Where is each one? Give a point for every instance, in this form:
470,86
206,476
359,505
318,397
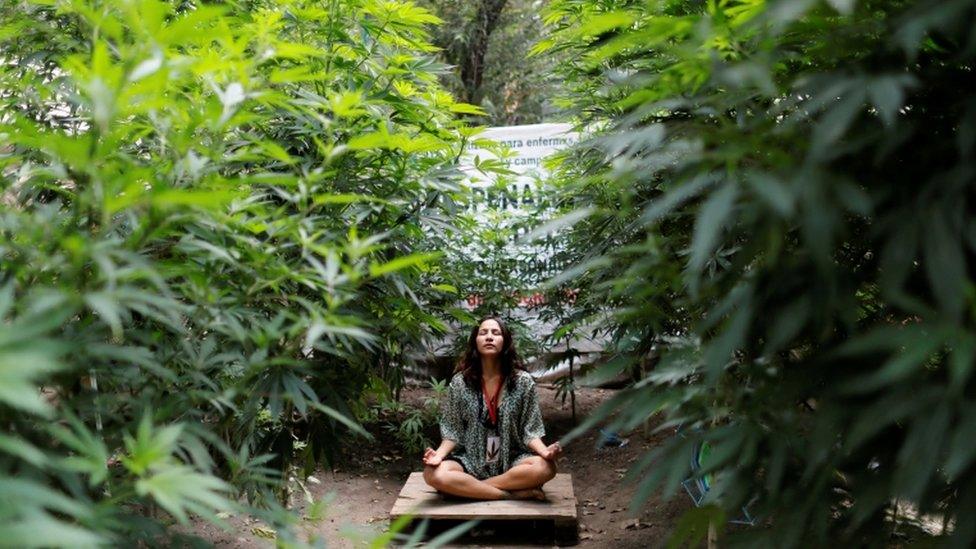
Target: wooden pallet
423,502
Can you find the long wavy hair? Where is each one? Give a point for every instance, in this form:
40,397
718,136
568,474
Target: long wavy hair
470,363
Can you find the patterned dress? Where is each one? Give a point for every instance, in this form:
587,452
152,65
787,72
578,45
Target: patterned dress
519,421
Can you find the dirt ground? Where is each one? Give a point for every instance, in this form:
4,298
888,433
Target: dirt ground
365,485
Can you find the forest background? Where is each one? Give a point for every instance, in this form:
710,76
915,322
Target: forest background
223,226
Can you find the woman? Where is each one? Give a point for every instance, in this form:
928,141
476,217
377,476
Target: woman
491,425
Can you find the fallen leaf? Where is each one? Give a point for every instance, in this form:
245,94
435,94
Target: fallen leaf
264,532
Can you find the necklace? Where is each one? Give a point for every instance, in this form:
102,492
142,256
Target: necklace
492,401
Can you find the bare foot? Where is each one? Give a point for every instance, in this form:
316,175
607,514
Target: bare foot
531,493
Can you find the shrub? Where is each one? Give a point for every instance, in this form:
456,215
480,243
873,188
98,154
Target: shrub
785,187
214,232
414,426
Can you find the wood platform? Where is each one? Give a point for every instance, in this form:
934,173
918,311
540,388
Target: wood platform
423,502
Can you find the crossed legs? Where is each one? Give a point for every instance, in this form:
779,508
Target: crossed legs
531,472
523,480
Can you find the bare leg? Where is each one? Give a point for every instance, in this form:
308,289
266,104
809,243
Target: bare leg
531,472
449,477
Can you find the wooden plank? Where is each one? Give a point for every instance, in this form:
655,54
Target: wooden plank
422,501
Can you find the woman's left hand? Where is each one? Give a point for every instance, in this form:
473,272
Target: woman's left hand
552,452
431,458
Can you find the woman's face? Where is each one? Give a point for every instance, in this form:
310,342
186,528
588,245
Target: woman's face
490,339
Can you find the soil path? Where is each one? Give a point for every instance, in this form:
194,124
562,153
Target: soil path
365,486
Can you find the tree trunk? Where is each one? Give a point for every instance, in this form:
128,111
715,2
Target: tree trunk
473,59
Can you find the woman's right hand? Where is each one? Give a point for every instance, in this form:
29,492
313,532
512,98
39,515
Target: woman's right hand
431,458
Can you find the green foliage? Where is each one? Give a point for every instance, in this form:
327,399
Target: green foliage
692,528
218,223
780,199
566,385
413,426
416,537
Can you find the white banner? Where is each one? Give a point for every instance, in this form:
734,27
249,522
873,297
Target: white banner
531,144
528,147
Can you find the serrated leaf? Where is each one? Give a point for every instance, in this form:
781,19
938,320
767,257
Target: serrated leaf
320,328
556,225
446,288
774,192
19,368
109,310
369,141
200,198
348,198
599,24
660,207
945,263
43,530
29,493
22,449
180,490
710,222
465,108
347,104
887,94
294,50
147,67
913,351
961,360
341,418
404,262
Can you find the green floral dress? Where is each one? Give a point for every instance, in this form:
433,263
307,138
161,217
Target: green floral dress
463,420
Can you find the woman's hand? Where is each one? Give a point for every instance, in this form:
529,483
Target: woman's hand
551,452
431,458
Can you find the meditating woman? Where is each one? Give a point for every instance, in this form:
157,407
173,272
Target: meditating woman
491,426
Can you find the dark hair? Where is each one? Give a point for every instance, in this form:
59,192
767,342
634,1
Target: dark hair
470,363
